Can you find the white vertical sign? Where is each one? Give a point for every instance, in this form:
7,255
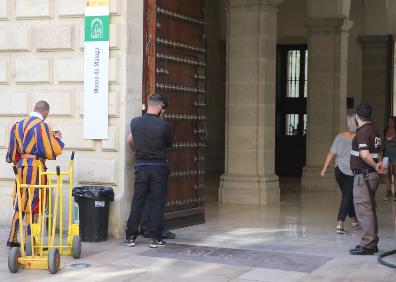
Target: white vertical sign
96,69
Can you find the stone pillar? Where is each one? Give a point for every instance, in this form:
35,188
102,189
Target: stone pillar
376,75
327,87
249,176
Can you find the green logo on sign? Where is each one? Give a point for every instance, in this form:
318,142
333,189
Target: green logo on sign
97,28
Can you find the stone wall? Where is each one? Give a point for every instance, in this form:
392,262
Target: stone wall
355,54
292,13
394,81
375,76
41,57
216,47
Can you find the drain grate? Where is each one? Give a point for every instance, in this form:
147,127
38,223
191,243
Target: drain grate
241,257
80,265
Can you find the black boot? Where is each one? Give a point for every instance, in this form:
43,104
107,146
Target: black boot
13,244
166,234
360,250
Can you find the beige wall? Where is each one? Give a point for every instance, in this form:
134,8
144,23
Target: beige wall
377,23
355,52
375,77
394,81
292,13
41,57
215,85
378,15
317,9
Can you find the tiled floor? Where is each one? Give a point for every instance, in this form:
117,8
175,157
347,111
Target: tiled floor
291,241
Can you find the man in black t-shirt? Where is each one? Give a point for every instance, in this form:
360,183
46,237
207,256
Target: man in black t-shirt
150,138
145,220
366,166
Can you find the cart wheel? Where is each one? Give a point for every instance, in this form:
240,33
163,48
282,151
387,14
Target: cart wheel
13,257
53,260
28,246
76,247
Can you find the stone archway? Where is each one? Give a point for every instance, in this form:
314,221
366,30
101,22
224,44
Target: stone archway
341,66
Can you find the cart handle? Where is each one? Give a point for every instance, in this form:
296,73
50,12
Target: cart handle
57,170
15,170
72,155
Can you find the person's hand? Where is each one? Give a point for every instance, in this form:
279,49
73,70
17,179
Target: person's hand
58,134
379,167
323,172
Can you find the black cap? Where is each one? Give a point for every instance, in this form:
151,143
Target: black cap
364,110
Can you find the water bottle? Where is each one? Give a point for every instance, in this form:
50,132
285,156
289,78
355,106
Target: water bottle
76,216
385,161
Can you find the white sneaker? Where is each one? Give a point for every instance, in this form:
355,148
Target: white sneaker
154,243
130,242
340,229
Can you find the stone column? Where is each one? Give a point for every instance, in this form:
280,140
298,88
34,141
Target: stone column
377,62
327,87
249,176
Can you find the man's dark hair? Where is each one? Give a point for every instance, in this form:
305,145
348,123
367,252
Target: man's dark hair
157,99
41,107
364,111
165,101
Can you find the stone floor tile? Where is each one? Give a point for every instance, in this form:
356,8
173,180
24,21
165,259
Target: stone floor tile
301,224
272,275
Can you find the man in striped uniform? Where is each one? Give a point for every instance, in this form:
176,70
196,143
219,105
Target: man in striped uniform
31,143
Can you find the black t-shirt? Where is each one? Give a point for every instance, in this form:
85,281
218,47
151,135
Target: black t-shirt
152,136
367,138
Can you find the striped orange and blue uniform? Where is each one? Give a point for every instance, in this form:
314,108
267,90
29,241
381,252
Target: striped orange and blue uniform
30,136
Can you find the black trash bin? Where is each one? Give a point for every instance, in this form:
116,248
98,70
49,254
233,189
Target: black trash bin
93,202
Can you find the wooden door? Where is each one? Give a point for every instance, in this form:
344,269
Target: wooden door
175,66
291,110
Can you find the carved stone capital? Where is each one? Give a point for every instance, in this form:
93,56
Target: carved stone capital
333,25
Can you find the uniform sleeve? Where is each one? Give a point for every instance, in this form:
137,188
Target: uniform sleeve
335,144
13,154
363,141
48,146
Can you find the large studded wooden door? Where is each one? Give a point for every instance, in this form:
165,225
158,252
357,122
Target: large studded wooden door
175,66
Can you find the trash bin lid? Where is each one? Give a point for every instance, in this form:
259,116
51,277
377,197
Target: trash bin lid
100,193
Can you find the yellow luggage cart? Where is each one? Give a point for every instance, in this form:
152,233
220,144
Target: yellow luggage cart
73,240
29,259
